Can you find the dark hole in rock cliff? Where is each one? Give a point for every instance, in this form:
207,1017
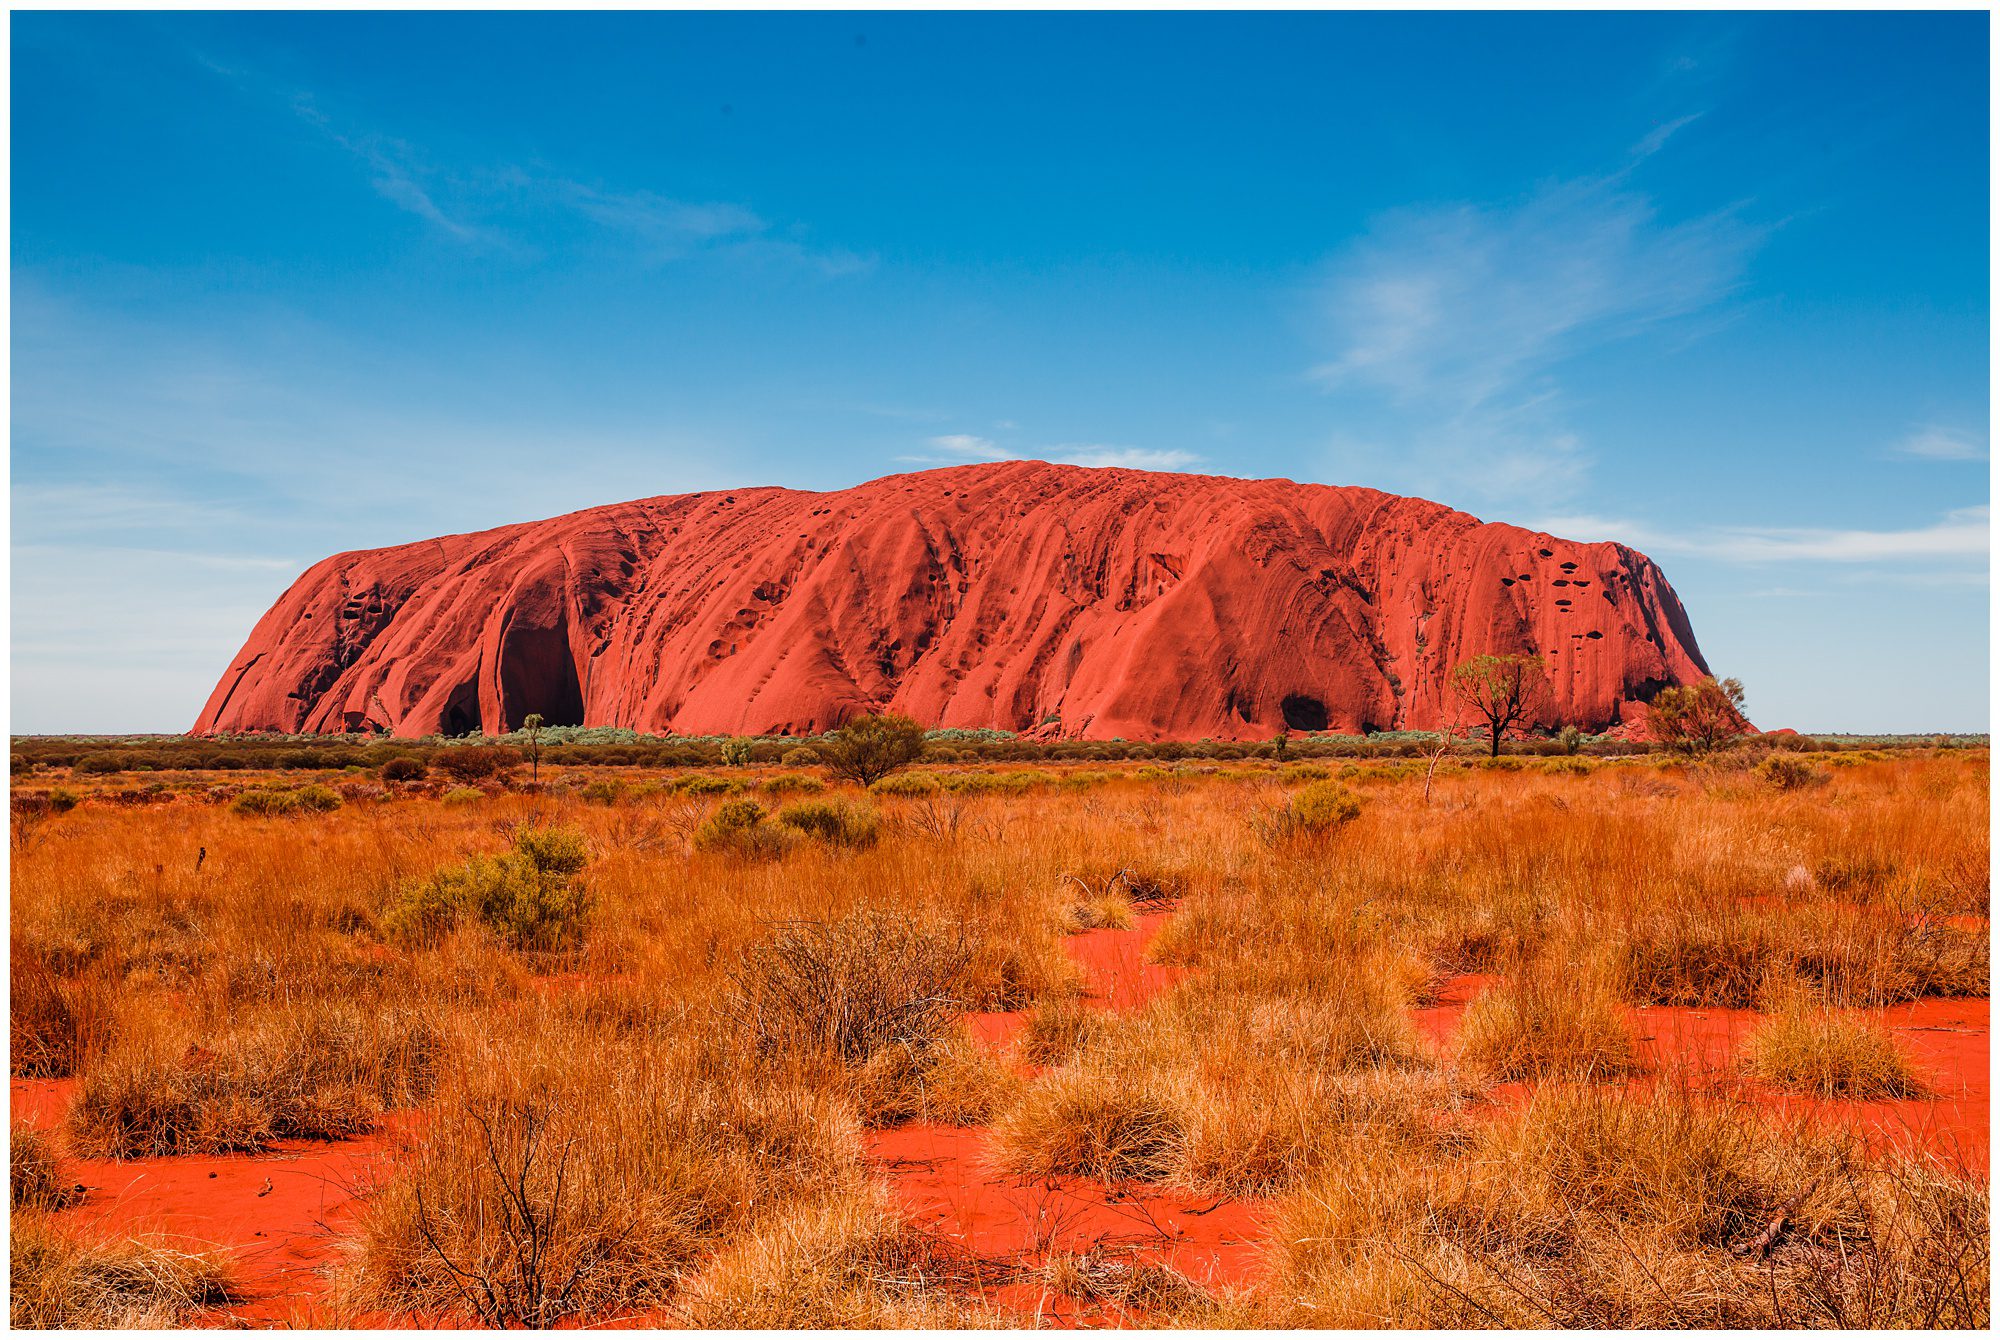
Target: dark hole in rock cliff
1303,713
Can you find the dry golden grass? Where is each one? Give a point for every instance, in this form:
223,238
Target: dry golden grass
1594,1209
35,1178
844,1262
65,1282
1540,1026
1830,1055
675,1089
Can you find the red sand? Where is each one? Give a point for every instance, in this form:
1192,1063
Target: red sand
1018,595
943,1176
279,1214
1948,1040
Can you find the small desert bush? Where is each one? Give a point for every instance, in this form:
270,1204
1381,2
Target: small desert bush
946,1081
603,791
1315,812
908,784
701,784
1124,1279
1541,1027
1829,1055
1161,1095
802,756
1089,1120
1785,773
848,988
1096,906
463,795
737,828
62,1281
266,804
530,897
793,783
839,823
316,798
1713,958
404,769
307,1071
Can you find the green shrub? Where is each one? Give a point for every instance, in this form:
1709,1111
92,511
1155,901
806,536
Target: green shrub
1304,772
804,756
265,804
794,783
735,752
403,769
603,791
701,784
909,784
1322,807
529,897
62,800
319,799
869,748
99,763
839,822
463,795
737,827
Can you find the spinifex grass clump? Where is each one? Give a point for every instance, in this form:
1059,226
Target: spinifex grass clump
849,1261
1539,1025
565,1179
1830,1055
529,897
1224,1094
54,1022
873,998
35,1178
63,1281
1600,1208
311,1070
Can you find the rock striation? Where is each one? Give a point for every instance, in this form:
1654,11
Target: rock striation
1093,603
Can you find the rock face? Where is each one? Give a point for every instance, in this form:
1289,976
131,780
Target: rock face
1018,595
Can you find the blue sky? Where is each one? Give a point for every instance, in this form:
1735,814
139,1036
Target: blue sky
1714,285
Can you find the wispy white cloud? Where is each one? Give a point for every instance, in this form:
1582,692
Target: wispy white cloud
1656,139
973,448
1123,458
960,447
1940,442
1460,317
397,173
1467,301
1964,533
523,210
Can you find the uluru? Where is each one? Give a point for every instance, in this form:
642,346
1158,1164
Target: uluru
1017,595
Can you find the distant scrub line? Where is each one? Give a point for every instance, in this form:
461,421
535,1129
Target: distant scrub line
603,747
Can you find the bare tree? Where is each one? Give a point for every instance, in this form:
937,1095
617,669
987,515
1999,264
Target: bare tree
1445,740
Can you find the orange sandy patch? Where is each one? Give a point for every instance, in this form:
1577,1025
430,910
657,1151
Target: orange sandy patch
1947,1041
279,1214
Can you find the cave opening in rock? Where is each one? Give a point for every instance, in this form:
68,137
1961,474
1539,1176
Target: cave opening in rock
1304,713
